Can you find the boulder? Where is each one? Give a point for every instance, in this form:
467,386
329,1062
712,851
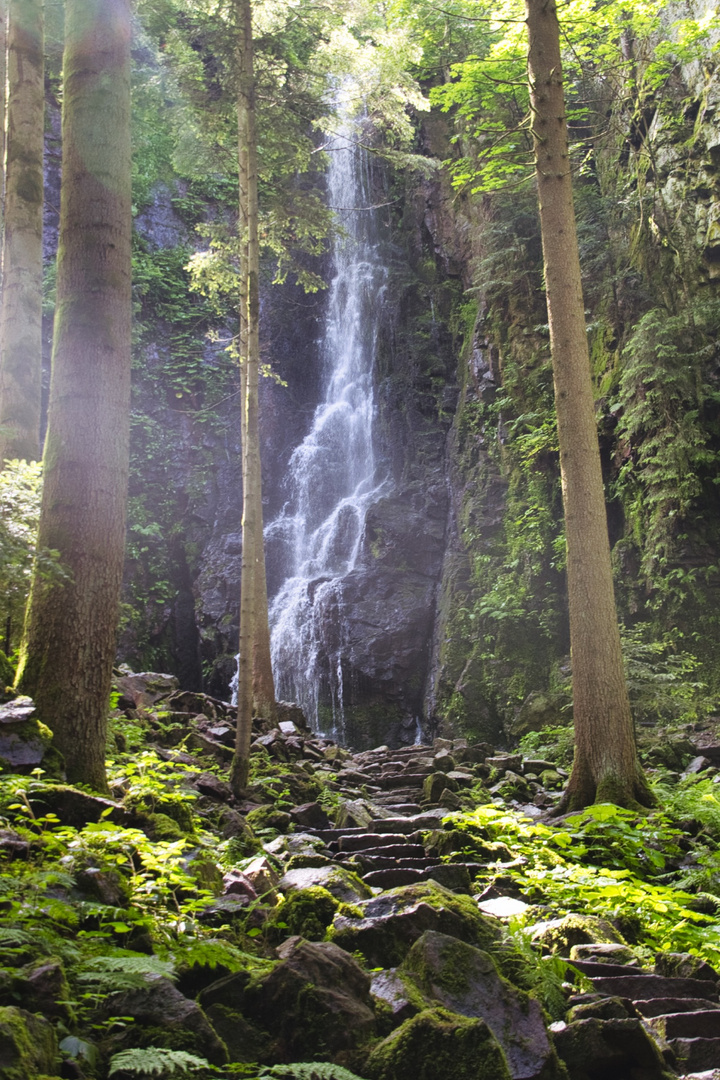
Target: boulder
396,996
560,935
46,990
263,876
606,953
307,913
162,1016
465,980
540,710
390,923
28,1045
596,1049
684,966
235,883
25,743
142,689
342,884
213,787
354,814
313,1004
75,807
310,815
435,784
439,1045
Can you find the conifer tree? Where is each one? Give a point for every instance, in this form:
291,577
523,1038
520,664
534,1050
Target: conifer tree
70,634
21,298
606,767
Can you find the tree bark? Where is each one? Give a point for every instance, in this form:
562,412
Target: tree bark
606,767
3,120
254,668
21,300
70,635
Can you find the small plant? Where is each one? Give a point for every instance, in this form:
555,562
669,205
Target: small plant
155,1061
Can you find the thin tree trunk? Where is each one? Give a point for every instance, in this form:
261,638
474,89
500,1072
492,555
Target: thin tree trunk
263,684
606,767
21,300
70,636
251,614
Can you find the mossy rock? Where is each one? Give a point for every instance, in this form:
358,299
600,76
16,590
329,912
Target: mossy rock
438,1043
305,912
269,817
161,827
178,810
391,922
28,1045
466,981
560,935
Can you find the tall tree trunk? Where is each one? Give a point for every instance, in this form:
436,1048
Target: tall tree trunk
252,672
606,767
21,300
70,635
3,120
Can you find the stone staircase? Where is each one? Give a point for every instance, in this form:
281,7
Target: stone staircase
683,1014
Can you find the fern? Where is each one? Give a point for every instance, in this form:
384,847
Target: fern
308,1070
11,938
111,973
156,1061
212,953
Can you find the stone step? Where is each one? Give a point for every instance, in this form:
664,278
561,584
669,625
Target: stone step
404,825
663,1006
643,987
406,808
360,841
704,1024
593,968
454,876
386,862
399,852
402,779
391,879
696,1055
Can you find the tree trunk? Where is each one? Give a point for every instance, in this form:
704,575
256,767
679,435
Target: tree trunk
70,636
254,639
21,300
3,108
606,767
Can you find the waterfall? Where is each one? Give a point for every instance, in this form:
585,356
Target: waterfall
332,477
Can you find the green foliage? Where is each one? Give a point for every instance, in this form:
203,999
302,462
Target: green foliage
155,1061
668,420
20,493
556,744
662,678
565,869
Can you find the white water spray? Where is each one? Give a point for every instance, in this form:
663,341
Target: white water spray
332,474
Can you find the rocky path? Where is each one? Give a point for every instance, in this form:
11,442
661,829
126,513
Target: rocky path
403,794
364,907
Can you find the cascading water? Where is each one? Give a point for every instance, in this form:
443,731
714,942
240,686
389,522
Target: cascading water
332,477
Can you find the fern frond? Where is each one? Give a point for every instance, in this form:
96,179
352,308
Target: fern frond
110,973
212,953
308,1070
156,1061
